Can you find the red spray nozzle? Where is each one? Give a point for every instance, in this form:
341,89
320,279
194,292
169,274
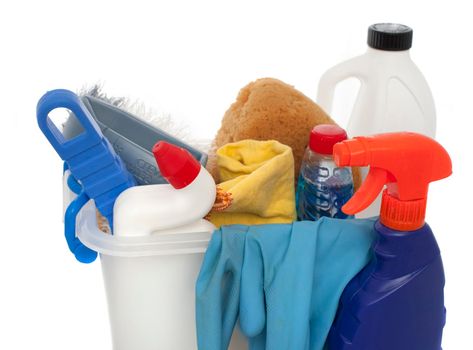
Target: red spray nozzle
406,162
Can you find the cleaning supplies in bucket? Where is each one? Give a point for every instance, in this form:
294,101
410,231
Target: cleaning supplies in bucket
397,301
393,93
323,188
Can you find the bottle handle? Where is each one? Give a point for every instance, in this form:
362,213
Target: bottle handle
330,79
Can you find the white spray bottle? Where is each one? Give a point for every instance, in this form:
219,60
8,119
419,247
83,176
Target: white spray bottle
393,94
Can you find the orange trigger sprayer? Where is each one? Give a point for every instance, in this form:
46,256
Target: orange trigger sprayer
406,162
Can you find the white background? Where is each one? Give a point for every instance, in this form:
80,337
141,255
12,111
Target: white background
190,59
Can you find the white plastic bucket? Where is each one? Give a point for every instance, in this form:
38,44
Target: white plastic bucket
150,283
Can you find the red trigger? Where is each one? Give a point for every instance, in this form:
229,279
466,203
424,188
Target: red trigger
367,193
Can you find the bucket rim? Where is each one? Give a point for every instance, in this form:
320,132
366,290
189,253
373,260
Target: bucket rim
188,239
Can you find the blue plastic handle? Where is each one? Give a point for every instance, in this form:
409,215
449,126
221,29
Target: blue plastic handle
89,156
80,251
67,149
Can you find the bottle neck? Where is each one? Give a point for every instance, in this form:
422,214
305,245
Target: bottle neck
382,54
402,215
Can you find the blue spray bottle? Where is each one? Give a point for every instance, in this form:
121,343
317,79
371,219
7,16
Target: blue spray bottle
397,301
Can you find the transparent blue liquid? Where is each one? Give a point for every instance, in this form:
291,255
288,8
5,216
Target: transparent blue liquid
322,191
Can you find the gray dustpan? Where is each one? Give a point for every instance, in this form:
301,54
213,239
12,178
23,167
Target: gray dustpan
131,137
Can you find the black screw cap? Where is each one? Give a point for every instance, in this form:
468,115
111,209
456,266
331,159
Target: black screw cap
390,37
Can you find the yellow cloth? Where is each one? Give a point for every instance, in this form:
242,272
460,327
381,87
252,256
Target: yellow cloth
259,178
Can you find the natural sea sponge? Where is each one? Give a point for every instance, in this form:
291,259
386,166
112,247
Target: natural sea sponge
269,109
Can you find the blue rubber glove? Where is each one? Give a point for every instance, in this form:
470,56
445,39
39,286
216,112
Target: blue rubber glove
292,276
218,288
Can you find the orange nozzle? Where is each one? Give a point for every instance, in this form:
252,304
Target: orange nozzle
406,162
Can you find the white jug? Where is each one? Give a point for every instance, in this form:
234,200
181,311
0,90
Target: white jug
393,94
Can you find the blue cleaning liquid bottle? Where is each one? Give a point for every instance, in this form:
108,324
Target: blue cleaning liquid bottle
397,301
323,187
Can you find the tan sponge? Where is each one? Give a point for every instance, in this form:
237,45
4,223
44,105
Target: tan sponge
269,109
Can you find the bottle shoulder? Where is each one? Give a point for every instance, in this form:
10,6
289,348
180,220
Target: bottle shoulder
311,156
376,63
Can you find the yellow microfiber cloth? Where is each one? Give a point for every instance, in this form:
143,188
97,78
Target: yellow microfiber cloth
257,184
